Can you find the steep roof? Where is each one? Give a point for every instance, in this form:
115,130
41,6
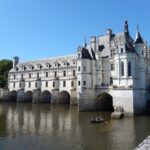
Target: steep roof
138,39
129,44
85,53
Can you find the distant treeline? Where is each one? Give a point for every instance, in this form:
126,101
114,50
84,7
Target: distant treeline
5,66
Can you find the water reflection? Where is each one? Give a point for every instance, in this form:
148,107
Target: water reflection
62,127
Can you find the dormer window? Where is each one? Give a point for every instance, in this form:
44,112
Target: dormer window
39,66
74,62
48,65
31,67
15,69
56,64
23,68
65,63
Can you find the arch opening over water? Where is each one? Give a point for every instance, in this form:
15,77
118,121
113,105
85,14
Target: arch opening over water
13,95
45,96
28,96
104,102
64,97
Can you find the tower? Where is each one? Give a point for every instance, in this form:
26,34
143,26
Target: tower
139,48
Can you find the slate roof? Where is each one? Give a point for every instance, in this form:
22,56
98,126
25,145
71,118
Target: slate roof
44,61
85,53
129,44
138,39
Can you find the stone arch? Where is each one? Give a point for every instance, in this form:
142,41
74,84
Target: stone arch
13,95
28,96
45,96
104,102
64,97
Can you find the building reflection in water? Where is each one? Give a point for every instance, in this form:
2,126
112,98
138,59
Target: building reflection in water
63,127
27,118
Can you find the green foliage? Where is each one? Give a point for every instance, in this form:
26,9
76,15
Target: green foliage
5,66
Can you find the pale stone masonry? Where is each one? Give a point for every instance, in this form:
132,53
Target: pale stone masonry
51,75
114,63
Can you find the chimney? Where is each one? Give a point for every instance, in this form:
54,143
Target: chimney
93,42
15,61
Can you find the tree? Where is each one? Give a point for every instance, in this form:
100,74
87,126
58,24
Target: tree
5,66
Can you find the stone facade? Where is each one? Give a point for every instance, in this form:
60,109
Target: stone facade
114,64
44,80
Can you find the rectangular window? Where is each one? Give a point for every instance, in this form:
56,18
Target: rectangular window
55,74
46,84
29,84
84,83
38,75
64,73
20,85
72,84
46,74
78,68
21,76
53,84
14,85
74,72
129,68
64,83
121,50
112,67
35,84
79,56
78,83
14,76
112,53
29,75
84,68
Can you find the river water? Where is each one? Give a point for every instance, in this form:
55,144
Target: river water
27,126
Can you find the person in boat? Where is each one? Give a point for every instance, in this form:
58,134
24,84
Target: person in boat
97,119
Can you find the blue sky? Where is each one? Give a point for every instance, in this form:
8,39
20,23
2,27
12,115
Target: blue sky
33,29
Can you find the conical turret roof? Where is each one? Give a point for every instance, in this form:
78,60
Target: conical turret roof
138,39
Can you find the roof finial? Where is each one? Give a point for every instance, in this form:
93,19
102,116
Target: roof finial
126,30
85,45
137,27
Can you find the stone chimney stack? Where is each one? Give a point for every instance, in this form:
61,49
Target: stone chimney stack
93,42
108,34
15,61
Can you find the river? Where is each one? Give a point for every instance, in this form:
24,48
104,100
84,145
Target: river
27,126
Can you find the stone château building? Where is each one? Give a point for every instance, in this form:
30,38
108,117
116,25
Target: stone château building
114,64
